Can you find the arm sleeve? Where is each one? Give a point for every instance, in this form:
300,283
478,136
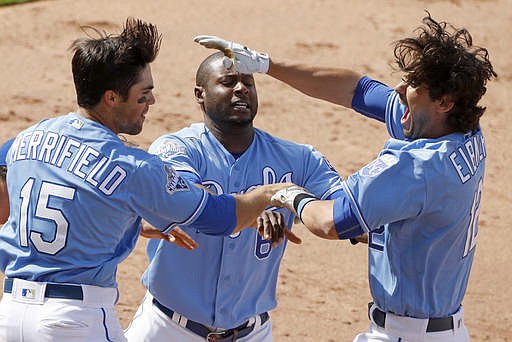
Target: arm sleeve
344,218
370,98
218,216
375,197
161,196
320,177
192,177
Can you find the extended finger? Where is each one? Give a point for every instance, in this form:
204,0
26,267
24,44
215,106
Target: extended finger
212,42
292,237
182,239
263,228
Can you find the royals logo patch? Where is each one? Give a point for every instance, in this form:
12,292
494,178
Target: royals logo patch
174,181
378,165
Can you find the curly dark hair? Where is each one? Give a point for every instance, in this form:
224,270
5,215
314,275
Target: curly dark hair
3,171
445,61
112,62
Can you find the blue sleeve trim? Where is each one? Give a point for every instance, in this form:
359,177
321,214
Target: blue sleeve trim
357,212
198,211
218,216
345,221
370,98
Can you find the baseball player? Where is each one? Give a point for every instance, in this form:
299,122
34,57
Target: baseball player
79,193
4,195
223,290
419,200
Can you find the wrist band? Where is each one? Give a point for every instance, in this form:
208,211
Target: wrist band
300,202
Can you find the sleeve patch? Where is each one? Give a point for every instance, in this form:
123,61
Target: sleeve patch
378,165
169,149
174,181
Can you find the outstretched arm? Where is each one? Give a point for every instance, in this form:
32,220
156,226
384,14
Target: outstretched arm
328,219
315,214
330,84
250,205
334,85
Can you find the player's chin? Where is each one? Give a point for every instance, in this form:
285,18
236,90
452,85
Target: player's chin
136,128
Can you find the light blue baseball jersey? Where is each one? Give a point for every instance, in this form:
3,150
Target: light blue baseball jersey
229,279
420,202
78,195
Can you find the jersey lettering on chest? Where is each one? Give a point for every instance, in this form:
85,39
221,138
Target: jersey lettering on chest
268,176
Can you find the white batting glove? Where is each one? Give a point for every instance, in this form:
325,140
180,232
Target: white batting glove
246,61
293,198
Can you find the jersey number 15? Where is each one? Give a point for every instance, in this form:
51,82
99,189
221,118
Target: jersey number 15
44,212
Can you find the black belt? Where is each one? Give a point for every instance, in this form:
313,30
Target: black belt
61,291
202,330
434,324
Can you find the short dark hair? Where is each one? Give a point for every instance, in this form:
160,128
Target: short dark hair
204,69
112,62
444,59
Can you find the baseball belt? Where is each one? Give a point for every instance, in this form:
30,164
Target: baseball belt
215,336
61,291
434,324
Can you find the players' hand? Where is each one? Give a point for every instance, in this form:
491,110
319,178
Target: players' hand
286,197
271,226
245,60
363,238
176,236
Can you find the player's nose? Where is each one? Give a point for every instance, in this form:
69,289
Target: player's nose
240,87
151,99
401,87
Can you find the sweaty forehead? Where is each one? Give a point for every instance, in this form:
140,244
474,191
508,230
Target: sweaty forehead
217,67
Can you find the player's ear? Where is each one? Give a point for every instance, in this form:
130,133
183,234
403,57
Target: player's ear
110,98
445,104
199,94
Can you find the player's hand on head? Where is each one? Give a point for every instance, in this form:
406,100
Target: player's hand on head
271,226
245,60
177,236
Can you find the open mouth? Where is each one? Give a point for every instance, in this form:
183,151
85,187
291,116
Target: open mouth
241,106
405,120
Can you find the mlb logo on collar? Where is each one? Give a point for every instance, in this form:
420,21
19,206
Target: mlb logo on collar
76,123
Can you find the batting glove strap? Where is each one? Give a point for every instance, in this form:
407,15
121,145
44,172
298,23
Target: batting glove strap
293,198
300,202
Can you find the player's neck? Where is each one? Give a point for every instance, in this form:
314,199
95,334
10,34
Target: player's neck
95,114
235,139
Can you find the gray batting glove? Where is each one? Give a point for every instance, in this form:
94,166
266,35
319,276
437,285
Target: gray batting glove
246,61
287,198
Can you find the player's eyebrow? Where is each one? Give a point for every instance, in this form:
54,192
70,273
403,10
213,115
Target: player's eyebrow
149,87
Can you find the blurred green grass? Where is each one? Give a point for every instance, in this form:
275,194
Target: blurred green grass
12,2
